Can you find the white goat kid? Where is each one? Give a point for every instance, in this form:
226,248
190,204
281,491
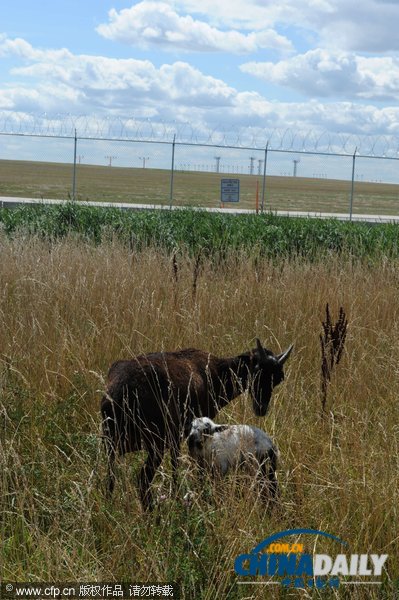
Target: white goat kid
221,448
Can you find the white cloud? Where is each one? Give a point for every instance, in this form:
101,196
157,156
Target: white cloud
156,24
251,110
21,48
59,81
323,73
240,14
366,26
43,98
99,82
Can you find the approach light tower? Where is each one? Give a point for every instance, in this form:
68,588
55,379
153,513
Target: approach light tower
110,159
144,159
296,161
251,165
217,166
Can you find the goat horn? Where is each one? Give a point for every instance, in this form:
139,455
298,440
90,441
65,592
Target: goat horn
281,358
261,349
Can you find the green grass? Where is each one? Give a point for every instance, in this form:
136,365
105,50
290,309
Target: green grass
210,234
152,186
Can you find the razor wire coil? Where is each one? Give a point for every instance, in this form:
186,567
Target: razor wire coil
151,130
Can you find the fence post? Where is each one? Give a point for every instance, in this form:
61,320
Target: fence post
264,178
353,184
75,144
172,172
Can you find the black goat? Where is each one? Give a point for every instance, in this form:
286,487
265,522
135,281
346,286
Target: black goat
152,399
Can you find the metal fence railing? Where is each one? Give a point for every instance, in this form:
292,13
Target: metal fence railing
143,162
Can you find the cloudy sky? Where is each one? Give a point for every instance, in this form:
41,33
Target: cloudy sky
319,65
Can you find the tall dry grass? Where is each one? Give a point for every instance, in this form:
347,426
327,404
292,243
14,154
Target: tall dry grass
69,309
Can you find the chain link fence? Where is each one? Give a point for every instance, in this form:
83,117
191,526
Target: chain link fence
132,161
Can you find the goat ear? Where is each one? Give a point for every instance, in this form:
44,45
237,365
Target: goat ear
281,358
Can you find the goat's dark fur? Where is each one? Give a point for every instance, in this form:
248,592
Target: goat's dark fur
152,399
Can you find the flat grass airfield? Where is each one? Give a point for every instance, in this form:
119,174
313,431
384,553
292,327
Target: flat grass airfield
26,179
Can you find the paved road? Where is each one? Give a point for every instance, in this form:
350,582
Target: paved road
6,201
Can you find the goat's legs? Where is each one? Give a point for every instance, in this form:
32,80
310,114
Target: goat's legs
109,443
174,457
147,473
111,468
269,484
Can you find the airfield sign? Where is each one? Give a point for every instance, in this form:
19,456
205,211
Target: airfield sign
229,190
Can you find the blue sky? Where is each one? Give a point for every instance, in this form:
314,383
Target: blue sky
320,65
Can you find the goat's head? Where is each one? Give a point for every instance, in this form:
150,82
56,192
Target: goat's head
200,428
267,373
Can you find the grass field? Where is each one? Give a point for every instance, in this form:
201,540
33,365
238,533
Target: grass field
114,184
69,308
202,234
